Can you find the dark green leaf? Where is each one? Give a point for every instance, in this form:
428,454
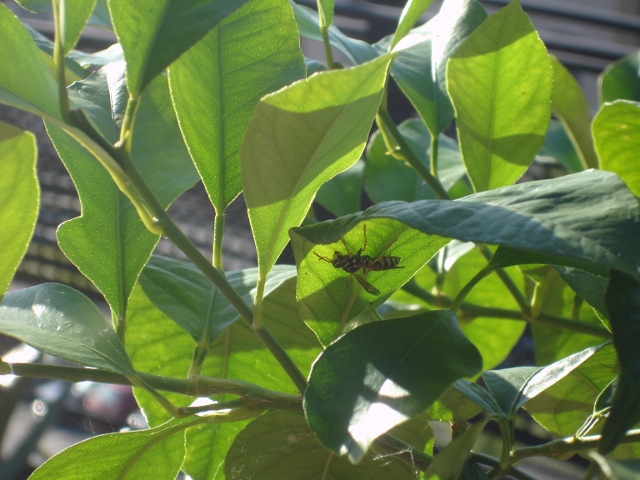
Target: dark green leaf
478,395
420,69
558,145
621,80
216,85
382,373
63,322
27,84
570,106
155,453
616,132
299,138
282,446
19,197
623,304
155,34
589,287
500,83
184,294
453,406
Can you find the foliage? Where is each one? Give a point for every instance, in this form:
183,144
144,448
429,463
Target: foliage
393,316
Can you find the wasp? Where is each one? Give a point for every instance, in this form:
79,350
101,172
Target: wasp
352,262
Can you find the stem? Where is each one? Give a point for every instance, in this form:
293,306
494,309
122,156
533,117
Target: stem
471,311
402,150
433,156
506,280
464,291
218,229
198,386
563,447
59,13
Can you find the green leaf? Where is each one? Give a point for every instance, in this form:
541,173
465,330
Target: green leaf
282,446
616,132
500,83
356,50
411,13
589,287
154,35
155,453
19,197
63,322
558,145
449,463
570,106
327,7
95,242
216,85
184,294
341,194
382,373
513,387
387,178
327,296
453,406
419,70
299,138
478,395
623,304
158,345
26,84
563,407
75,17
621,80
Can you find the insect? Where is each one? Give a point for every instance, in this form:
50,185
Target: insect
352,262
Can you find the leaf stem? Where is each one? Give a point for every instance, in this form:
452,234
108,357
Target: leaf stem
471,311
59,14
464,291
433,155
324,33
218,230
401,149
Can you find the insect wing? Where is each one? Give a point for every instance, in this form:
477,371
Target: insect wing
366,285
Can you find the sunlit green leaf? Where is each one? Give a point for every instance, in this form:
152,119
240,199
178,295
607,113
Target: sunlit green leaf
616,132
19,197
155,453
63,322
299,138
341,195
420,69
381,374
356,50
28,83
155,34
95,241
621,80
216,85
570,106
411,13
500,83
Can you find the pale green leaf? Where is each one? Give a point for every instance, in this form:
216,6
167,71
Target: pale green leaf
28,83
616,132
299,138
216,85
621,80
500,83
411,13
19,197
155,453
570,106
